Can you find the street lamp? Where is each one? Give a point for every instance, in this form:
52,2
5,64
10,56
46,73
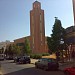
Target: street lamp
69,48
61,43
68,53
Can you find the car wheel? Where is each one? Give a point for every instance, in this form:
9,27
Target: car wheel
45,68
66,72
36,66
19,62
29,62
56,69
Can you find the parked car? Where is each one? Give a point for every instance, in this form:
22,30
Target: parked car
9,57
16,59
47,64
25,59
1,56
69,71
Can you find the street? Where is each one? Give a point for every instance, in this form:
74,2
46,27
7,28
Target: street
10,68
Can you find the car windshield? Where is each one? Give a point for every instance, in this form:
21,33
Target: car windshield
49,60
46,59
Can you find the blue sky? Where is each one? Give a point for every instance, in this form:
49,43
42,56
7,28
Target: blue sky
15,16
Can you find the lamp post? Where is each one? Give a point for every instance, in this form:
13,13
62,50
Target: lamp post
68,51
61,43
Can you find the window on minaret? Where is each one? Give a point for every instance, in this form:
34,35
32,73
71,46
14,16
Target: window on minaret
34,5
33,46
38,6
33,40
41,27
33,29
40,17
40,23
32,26
32,20
41,36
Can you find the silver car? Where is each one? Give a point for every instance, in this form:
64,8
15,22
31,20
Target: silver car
47,64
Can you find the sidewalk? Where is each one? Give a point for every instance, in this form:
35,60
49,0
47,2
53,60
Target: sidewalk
0,71
67,63
33,61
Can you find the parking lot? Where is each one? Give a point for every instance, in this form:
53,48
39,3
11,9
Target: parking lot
8,67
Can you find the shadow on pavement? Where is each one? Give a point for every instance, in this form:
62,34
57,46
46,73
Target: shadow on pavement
34,71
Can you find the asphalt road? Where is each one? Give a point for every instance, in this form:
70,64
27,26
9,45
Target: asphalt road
10,68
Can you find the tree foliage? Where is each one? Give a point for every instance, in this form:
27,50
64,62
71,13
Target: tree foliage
9,51
12,50
26,49
16,50
56,36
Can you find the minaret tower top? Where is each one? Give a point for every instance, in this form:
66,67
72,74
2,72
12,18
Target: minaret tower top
36,5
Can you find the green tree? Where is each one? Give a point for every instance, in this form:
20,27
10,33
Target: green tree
16,50
49,43
56,36
9,51
26,48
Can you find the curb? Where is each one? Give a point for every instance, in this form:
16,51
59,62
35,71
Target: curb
32,63
1,73
67,63
0,70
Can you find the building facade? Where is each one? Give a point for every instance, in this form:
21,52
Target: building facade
38,42
21,41
70,35
70,40
3,46
37,39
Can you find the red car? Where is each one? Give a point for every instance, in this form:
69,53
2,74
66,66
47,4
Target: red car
69,71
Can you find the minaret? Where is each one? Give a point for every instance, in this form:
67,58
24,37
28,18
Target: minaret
37,29
73,1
